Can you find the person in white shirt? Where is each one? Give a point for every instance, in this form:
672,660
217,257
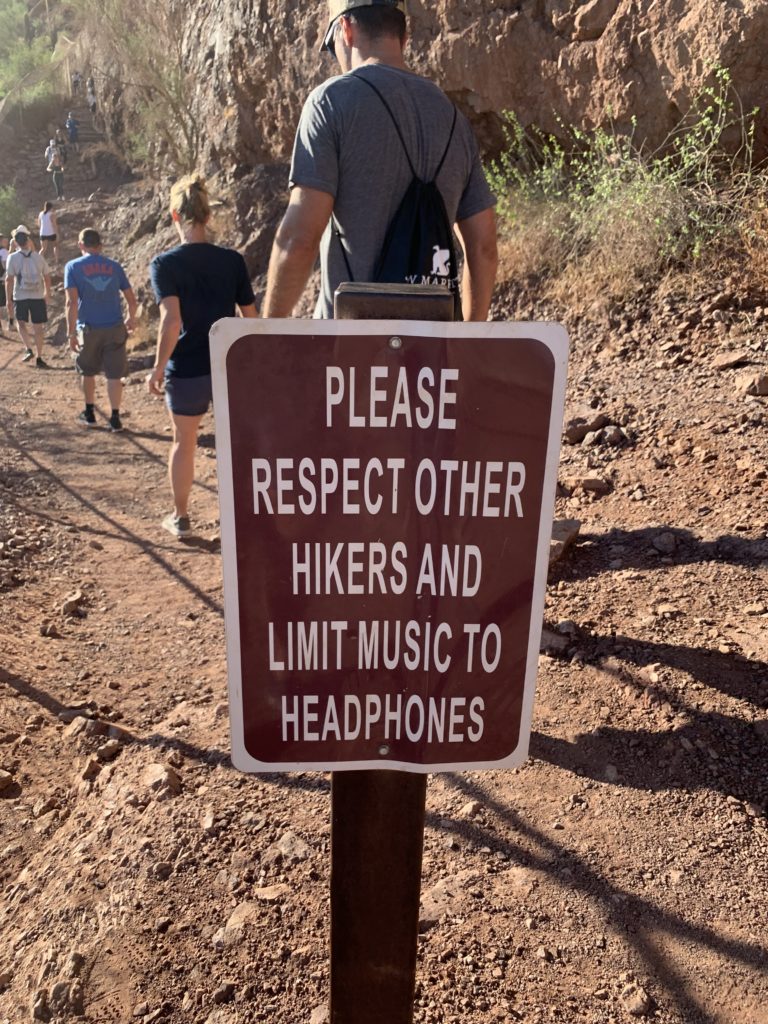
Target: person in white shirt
28,283
49,231
5,322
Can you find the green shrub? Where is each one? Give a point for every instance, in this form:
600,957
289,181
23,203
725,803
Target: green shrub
145,43
599,209
19,56
12,212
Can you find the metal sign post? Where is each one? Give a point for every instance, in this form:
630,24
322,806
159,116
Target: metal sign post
387,489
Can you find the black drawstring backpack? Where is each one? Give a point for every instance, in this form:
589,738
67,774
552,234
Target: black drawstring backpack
419,246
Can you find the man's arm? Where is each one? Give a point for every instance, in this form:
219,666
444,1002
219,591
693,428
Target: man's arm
295,249
70,305
168,336
47,283
248,311
478,240
130,301
10,286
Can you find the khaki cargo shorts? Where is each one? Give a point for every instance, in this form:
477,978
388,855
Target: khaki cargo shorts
102,348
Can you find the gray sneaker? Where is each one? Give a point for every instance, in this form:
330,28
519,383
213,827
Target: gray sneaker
27,355
178,526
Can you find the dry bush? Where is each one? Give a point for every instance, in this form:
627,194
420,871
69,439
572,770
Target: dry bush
754,238
535,247
596,219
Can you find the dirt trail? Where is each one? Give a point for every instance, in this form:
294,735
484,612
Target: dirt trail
620,874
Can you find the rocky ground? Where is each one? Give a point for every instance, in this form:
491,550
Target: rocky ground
621,873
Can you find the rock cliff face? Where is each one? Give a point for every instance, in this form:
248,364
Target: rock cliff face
582,61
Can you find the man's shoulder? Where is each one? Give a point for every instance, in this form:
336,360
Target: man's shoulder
383,76
72,266
115,264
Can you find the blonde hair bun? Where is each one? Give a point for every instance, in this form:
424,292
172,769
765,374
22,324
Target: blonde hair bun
189,199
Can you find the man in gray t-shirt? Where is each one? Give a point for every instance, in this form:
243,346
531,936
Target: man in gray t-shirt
348,161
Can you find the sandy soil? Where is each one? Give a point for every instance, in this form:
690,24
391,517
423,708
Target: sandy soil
620,873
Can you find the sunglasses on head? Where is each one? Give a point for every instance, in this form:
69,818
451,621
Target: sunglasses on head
331,44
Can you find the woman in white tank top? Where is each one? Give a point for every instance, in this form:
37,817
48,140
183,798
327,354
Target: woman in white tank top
49,230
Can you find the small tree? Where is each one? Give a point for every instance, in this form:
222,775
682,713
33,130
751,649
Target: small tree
20,52
144,42
12,211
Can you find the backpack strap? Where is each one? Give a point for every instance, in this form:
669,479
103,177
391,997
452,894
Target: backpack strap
334,223
388,109
337,231
447,145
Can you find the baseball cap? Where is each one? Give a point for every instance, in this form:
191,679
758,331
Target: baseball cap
21,230
338,7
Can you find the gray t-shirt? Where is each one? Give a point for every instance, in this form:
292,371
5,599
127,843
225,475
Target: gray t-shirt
29,270
347,145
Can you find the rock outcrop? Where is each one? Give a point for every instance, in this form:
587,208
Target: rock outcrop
585,63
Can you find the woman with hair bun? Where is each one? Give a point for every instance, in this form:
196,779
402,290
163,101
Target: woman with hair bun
195,284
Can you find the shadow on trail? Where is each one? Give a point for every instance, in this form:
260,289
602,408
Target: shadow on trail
48,437
639,917
205,756
727,672
133,437
89,709
707,749
16,357
713,752
118,531
201,543
640,553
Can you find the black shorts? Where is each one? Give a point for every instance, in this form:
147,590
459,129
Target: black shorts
31,309
47,238
3,300
188,396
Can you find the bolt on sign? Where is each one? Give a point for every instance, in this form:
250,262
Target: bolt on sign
387,490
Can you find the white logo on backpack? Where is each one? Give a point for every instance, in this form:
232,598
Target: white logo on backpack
441,262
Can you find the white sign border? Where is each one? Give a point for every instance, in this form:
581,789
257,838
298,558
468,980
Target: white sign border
224,334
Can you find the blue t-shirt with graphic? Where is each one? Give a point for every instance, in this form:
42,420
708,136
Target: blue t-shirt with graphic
99,281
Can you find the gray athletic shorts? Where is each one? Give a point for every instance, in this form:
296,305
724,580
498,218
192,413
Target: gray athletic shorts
102,348
188,396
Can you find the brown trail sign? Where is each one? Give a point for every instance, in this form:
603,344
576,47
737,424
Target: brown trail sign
386,506
386,500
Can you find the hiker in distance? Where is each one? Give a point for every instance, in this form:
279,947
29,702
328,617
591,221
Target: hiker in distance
55,167
28,284
49,231
96,329
363,137
4,254
73,131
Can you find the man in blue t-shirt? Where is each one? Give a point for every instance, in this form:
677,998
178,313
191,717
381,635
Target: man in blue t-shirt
96,328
